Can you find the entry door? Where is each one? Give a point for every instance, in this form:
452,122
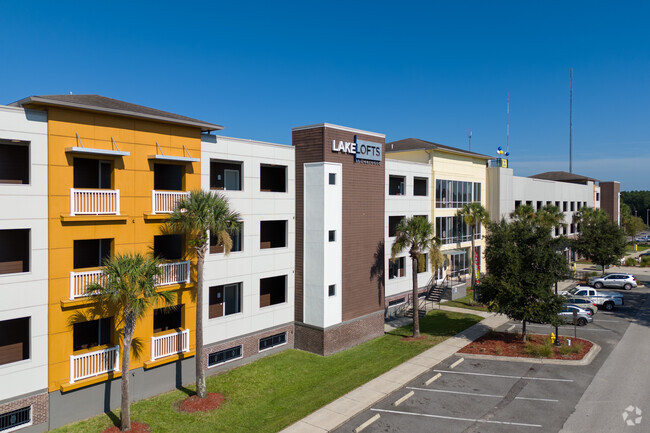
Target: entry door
105,174
231,179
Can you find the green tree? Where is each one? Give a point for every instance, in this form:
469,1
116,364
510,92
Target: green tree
473,214
416,234
129,288
201,213
524,262
631,224
638,201
599,239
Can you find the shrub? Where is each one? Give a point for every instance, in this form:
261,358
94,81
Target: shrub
645,261
568,350
630,261
543,350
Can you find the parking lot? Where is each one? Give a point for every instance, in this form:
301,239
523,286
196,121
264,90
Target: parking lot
472,395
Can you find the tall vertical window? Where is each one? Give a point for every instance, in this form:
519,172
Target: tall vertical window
393,222
332,178
396,268
477,192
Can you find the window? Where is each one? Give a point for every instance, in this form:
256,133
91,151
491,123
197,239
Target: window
420,186
91,253
451,230
226,175
548,203
332,235
393,222
573,206
578,205
584,204
16,418
165,319
225,300
573,228
273,178
14,162
93,333
557,231
423,263
168,177
396,185
396,268
557,205
455,193
237,244
477,192
529,203
272,341
539,205
331,290
396,301
168,247
332,179
597,196
14,340
565,206
458,265
14,251
517,203
92,173
224,356
273,234
273,291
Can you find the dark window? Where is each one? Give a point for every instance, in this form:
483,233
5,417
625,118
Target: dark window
15,418
539,205
273,234
393,222
332,235
92,173
14,340
14,163
517,203
237,244
584,204
557,231
168,177
529,203
225,300
14,251
396,185
91,334
573,206
565,206
597,196
396,301
331,290
91,253
578,205
273,340
273,290
477,192
168,247
165,319
573,228
396,268
273,178
332,178
557,205
226,175
224,356
420,186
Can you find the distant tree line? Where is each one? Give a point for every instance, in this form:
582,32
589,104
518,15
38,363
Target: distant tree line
638,201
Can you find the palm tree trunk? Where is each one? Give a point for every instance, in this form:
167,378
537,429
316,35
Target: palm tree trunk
473,267
523,330
200,371
416,309
127,339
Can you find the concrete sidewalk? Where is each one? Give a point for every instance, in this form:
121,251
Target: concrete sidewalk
343,409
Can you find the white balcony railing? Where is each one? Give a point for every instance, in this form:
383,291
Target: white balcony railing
165,201
94,363
94,201
170,344
80,280
174,273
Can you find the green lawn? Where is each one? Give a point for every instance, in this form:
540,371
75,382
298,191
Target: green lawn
274,392
466,302
629,248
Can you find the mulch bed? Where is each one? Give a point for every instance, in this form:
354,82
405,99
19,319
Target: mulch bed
508,344
136,427
195,404
420,338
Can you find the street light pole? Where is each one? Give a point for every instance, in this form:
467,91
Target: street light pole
557,335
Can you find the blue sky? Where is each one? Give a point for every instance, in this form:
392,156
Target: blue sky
430,70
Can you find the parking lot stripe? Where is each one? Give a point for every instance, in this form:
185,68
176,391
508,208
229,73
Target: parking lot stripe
456,363
428,382
367,423
453,418
537,399
550,400
510,328
403,399
504,376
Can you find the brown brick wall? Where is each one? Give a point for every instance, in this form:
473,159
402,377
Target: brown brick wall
609,192
39,403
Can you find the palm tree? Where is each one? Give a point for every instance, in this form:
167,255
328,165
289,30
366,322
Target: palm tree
473,214
195,216
416,234
129,287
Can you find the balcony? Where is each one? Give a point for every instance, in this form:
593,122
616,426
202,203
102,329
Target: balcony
165,201
94,363
80,280
94,201
170,344
174,273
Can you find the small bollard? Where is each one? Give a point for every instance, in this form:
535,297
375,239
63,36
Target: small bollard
568,342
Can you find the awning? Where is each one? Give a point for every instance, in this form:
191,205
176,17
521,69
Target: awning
91,151
174,158
453,252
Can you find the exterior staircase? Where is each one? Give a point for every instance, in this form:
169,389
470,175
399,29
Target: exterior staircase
433,295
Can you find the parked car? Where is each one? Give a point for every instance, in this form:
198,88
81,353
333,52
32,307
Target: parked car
606,300
583,316
583,302
624,281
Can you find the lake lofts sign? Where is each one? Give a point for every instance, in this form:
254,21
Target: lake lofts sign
363,150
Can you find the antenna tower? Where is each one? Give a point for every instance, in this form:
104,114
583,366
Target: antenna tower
571,120
508,122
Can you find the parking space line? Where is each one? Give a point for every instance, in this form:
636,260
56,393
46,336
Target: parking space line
504,376
453,418
550,400
456,363
403,399
367,423
510,328
428,382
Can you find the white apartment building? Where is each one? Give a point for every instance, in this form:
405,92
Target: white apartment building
249,294
23,270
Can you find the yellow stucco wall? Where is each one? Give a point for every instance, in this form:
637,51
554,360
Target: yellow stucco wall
133,175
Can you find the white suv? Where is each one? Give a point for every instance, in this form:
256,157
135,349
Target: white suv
624,281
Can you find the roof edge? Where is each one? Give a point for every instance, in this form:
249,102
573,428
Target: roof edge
342,128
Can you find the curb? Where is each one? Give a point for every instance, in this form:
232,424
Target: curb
586,360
